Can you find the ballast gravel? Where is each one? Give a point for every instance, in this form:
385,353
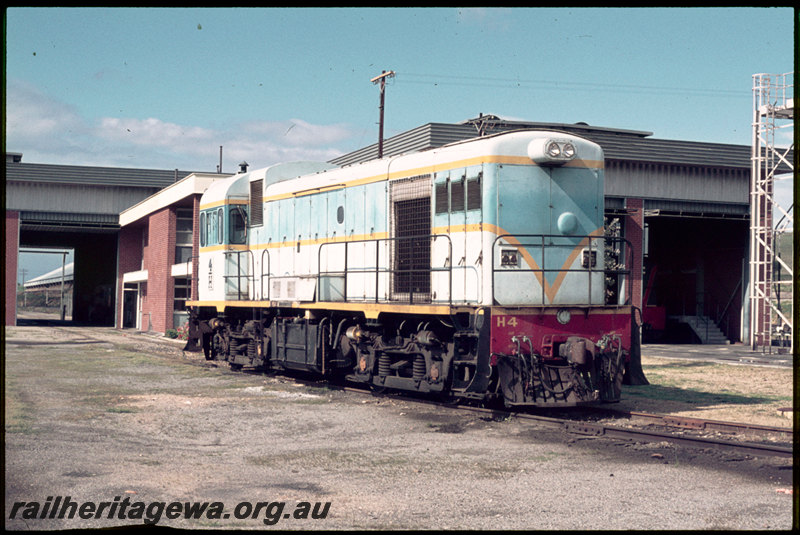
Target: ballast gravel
102,416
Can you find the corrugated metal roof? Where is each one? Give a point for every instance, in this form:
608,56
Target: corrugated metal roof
68,221
628,145
52,277
98,176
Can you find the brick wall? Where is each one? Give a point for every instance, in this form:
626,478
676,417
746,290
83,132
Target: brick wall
12,251
159,255
130,259
152,247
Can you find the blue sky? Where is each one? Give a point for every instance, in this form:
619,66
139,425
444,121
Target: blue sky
164,88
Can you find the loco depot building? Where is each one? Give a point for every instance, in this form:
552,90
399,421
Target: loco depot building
683,205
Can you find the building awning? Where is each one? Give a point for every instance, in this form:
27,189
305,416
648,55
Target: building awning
135,276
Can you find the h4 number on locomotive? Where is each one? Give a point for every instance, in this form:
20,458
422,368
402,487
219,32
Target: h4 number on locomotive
479,270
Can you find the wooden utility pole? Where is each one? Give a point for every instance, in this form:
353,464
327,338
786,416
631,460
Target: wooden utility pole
382,80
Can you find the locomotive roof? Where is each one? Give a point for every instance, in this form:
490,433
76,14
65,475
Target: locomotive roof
224,189
465,152
239,185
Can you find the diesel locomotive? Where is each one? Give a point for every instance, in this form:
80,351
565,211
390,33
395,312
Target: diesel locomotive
478,270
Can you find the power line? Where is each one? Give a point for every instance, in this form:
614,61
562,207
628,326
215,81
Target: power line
485,81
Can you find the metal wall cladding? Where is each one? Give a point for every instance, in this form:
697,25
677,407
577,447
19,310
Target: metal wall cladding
71,198
677,182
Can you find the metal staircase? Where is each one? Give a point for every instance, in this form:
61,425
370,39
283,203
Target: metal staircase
705,329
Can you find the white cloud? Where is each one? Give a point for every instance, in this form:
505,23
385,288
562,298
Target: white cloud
32,116
151,132
47,130
493,19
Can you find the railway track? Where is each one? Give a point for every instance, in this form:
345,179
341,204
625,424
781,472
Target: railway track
642,427
746,439
691,432
742,438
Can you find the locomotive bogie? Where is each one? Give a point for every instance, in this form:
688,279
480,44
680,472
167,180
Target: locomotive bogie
396,272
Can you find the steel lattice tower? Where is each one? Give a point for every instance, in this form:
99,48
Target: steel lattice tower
773,113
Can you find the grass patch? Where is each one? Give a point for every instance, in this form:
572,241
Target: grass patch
121,410
311,401
147,462
711,390
693,396
265,460
18,417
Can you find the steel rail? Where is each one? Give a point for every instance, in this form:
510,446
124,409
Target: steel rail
709,425
645,435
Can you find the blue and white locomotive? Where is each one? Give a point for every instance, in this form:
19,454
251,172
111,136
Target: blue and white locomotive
477,270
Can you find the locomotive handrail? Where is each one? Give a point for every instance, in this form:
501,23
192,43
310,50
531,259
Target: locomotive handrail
269,260
391,294
544,241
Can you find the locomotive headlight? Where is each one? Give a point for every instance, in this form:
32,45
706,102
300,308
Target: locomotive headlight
563,316
551,151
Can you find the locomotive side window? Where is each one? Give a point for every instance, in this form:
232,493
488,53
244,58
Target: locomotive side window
203,229
220,226
457,195
212,227
442,205
340,215
256,203
238,225
474,192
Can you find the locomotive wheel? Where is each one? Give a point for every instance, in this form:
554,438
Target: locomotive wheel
208,352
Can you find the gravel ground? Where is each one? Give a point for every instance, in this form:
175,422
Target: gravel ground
102,416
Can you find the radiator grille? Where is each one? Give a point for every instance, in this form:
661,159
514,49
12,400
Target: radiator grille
256,203
411,229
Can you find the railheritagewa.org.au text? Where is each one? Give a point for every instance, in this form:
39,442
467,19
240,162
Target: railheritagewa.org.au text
64,507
